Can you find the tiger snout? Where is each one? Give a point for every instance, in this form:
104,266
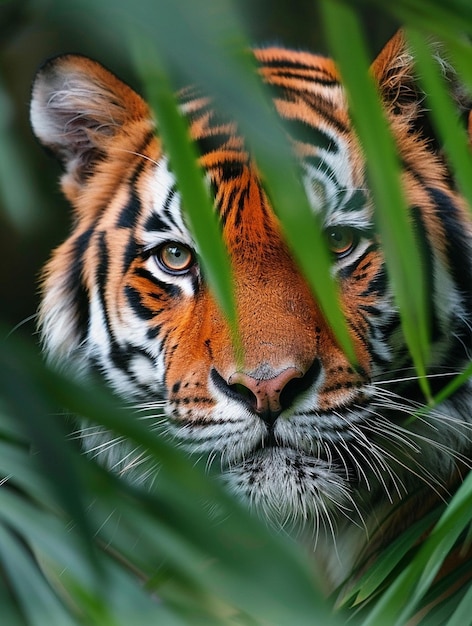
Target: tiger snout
265,391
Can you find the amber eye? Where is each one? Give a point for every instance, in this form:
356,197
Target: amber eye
174,258
341,240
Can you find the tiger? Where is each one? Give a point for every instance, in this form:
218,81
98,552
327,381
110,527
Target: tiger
302,436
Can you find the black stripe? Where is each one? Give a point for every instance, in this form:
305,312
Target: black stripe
307,133
225,209
75,281
458,244
314,101
129,214
212,142
323,82
121,358
288,68
170,291
155,223
132,252
370,310
323,109
101,278
243,196
348,271
142,272
153,332
133,297
232,169
357,200
166,206
377,285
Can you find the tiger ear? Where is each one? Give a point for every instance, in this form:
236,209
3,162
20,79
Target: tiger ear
77,107
395,74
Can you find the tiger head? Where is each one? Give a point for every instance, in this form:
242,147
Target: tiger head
299,432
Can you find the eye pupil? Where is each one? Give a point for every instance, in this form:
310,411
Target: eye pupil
175,258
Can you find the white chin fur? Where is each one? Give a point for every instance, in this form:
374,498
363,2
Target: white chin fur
288,487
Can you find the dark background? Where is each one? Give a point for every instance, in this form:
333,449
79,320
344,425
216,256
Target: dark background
33,215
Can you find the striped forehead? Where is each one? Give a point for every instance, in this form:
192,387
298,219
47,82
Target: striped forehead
336,203
311,102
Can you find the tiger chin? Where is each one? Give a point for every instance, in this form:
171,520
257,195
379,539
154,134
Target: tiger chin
300,434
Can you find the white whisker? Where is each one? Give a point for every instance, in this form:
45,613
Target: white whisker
138,154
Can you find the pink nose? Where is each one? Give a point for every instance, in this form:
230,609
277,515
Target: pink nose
264,394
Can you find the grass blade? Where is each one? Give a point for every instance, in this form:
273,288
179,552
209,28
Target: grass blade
377,573
195,197
443,112
398,239
39,603
461,615
403,596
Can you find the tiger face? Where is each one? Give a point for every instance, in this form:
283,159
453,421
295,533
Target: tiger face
298,431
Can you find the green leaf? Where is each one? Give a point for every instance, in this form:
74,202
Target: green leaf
238,546
443,113
452,386
36,598
386,562
213,558
196,200
462,615
403,596
45,435
402,255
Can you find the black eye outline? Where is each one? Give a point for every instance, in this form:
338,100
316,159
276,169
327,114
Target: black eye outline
162,256
341,240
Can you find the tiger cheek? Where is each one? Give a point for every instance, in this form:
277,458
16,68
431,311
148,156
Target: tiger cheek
188,357
360,302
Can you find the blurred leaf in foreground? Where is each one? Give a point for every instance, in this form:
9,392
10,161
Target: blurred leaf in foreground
215,559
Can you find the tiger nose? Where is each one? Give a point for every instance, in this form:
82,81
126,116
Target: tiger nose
265,395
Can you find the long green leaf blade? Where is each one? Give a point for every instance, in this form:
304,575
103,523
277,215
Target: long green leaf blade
39,603
195,197
377,573
398,240
443,112
462,615
402,598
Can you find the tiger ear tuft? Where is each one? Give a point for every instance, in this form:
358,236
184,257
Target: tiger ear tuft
394,73
77,106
